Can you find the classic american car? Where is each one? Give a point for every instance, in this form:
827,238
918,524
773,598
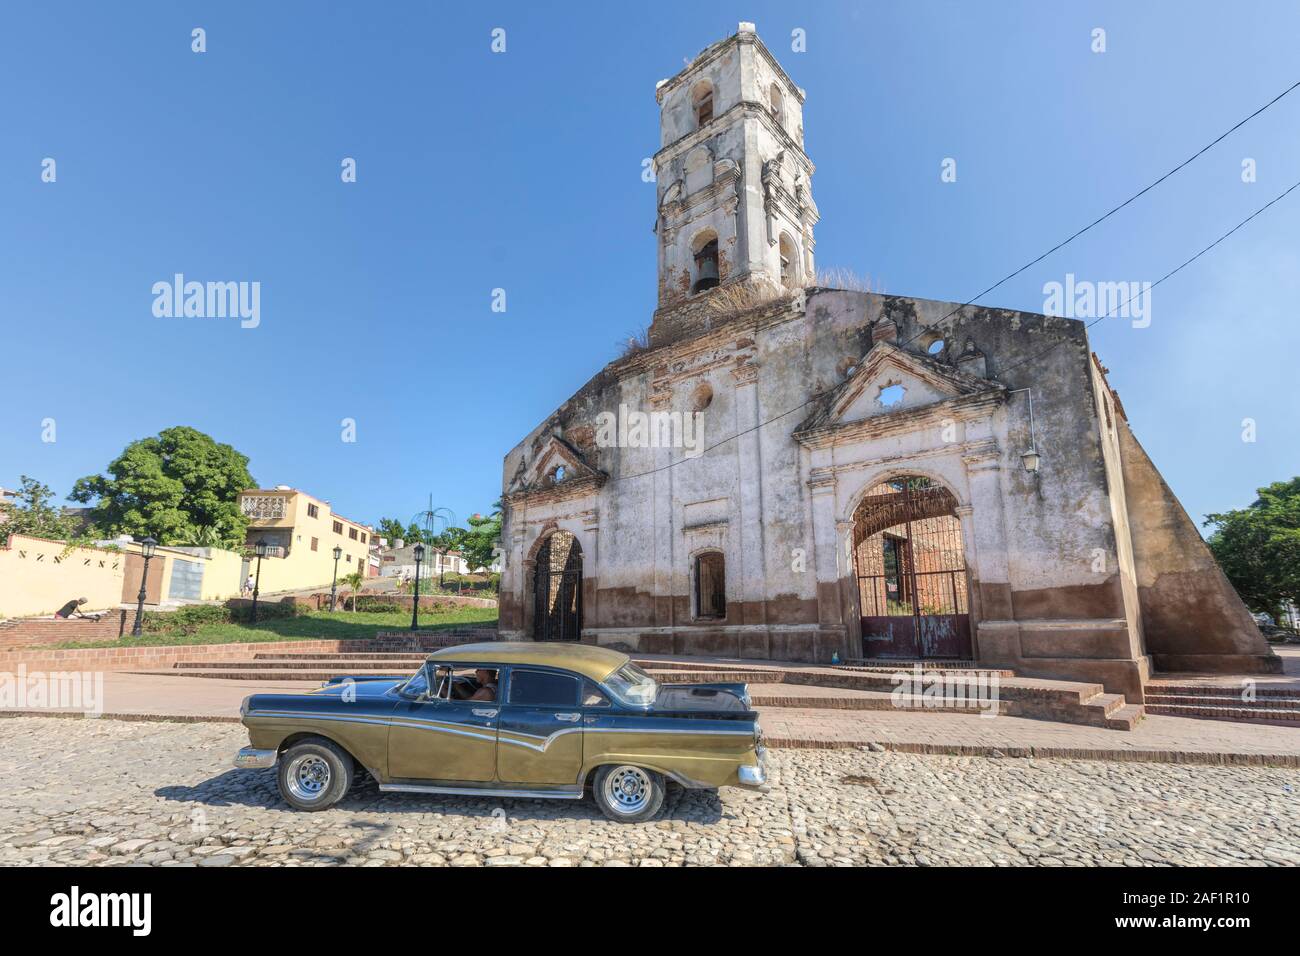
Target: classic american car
509,720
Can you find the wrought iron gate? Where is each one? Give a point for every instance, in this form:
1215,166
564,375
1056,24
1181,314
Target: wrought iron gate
907,547
557,589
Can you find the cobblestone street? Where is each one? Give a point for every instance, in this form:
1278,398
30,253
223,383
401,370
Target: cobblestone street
121,792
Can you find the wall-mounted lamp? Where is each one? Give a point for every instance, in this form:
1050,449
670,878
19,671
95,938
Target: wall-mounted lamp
1030,458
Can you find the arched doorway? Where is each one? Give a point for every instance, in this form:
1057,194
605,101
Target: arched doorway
557,589
911,569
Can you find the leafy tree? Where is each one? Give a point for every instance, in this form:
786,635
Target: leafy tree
171,486
392,529
481,541
1259,547
33,514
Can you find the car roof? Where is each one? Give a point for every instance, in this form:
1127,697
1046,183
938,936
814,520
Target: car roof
586,659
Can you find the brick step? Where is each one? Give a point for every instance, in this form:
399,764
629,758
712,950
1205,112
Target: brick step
341,666
1225,700
879,702
343,656
1237,712
933,669
1222,690
718,677
1126,717
225,672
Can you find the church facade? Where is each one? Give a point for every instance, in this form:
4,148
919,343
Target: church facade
793,472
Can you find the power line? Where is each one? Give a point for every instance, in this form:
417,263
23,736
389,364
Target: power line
1168,275
1060,245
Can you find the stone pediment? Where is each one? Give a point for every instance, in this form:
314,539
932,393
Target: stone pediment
895,389
557,470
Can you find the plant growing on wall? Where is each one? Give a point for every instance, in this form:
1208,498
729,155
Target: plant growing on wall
1259,547
172,486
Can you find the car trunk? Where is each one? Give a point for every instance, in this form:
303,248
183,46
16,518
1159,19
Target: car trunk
721,700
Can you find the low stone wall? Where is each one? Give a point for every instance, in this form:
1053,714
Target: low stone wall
34,632
125,656
405,600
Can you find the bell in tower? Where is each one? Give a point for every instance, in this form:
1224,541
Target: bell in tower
706,266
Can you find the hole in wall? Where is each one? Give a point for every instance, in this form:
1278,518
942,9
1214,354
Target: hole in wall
891,395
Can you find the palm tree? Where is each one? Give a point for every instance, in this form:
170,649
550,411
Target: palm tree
354,581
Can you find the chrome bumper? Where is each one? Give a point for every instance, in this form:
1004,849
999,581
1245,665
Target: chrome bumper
250,758
755,776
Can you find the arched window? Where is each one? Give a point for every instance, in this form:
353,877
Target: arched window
789,261
702,102
705,247
710,586
776,102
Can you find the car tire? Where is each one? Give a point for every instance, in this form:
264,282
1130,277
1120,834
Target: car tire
314,774
628,794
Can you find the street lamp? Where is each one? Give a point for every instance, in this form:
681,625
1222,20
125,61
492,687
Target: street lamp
338,553
148,547
261,548
415,603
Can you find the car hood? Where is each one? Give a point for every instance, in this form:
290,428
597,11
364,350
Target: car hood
363,687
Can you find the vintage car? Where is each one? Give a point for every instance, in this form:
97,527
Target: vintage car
509,720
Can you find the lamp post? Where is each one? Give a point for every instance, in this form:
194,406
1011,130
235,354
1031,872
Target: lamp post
338,553
415,602
147,547
260,548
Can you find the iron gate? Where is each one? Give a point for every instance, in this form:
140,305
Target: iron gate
911,570
557,589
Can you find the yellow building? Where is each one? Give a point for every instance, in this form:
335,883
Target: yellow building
301,533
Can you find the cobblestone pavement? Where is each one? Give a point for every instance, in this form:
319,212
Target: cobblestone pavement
120,792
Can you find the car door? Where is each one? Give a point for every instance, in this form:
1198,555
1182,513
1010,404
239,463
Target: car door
435,738
539,737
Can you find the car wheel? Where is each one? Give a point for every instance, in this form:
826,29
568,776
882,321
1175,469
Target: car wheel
628,794
314,774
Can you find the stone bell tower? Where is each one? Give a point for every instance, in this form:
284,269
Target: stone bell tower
734,184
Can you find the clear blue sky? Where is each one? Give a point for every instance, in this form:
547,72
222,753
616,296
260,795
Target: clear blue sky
522,171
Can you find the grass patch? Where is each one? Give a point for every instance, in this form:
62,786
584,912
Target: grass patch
311,625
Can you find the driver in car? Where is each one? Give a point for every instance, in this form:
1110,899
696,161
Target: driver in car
487,686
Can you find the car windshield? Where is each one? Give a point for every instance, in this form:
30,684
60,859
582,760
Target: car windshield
417,685
632,685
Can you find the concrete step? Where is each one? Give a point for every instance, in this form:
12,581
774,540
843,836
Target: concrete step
342,656
879,702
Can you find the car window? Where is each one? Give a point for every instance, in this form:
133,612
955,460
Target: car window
593,696
543,689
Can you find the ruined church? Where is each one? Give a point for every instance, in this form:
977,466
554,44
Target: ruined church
792,472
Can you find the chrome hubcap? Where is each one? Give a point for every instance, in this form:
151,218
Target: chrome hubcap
627,789
308,777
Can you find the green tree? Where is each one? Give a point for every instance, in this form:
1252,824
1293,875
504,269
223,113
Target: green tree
171,486
481,541
392,529
1259,547
33,514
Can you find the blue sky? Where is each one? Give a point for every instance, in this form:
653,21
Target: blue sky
522,171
